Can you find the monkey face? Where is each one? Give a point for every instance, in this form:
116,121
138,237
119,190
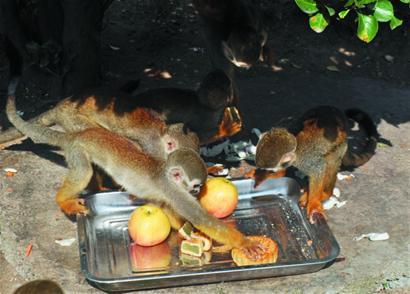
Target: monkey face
216,90
180,177
187,169
276,150
194,186
244,47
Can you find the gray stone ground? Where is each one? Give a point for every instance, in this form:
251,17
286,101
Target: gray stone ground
377,199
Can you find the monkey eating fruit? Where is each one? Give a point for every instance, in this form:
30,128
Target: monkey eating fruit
139,173
316,145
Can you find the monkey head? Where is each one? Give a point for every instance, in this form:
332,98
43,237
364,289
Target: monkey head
276,150
177,136
186,169
244,46
216,91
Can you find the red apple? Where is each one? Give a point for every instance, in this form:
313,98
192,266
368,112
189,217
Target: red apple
148,225
219,197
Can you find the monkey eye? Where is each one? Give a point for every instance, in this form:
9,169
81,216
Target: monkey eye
197,186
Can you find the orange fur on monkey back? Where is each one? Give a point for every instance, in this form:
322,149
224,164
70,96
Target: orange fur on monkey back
138,116
267,252
145,115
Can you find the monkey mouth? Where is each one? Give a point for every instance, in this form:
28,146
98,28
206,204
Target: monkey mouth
194,192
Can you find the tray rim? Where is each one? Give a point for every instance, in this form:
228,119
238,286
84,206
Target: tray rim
103,282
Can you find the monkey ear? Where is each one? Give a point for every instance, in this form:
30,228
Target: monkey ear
170,144
288,158
176,174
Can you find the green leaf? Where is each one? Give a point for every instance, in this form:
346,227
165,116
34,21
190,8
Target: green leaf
307,6
383,10
342,14
330,10
364,2
405,1
318,22
367,27
349,3
395,22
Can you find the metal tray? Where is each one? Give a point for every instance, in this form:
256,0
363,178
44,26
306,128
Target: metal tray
271,209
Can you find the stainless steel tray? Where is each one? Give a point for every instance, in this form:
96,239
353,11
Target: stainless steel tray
272,210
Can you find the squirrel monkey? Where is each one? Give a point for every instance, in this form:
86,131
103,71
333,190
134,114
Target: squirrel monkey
203,111
235,35
162,181
234,30
316,145
144,118
141,125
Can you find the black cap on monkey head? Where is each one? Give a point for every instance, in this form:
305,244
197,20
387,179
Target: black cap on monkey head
190,161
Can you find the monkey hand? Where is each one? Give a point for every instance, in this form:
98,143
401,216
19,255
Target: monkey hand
261,175
261,251
231,123
252,248
74,206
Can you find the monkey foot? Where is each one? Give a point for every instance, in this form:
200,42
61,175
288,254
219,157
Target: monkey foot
74,206
314,211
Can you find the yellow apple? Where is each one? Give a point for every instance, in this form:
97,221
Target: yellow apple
219,197
148,225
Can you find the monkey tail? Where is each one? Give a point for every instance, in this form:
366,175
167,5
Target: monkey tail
352,160
12,134
37,132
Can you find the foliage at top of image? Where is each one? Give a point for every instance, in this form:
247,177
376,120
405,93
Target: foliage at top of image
368,14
